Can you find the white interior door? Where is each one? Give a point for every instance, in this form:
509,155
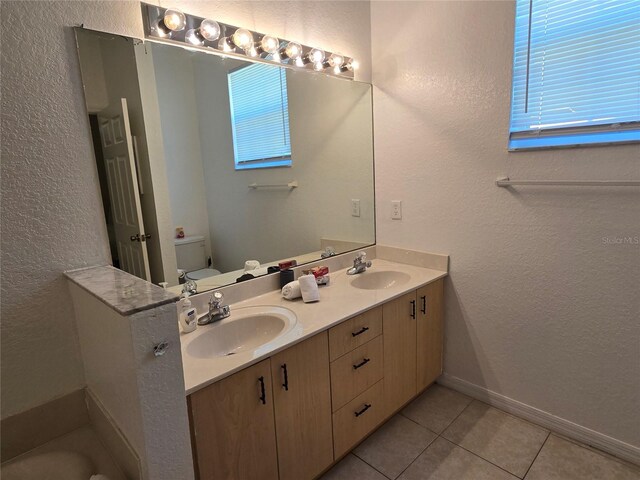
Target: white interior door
124,196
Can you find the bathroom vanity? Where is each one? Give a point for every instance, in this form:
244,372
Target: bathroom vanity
293,408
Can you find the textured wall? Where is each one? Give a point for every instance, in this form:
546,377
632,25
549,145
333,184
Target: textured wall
538,306
52,216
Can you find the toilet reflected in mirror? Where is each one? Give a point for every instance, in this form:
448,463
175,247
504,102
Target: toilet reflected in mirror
191,259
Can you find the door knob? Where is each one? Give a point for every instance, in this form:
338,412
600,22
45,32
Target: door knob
135,238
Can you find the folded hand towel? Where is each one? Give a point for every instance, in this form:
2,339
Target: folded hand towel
291,290
251,265
309,288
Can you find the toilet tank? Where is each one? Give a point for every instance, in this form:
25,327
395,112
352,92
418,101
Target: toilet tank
190,254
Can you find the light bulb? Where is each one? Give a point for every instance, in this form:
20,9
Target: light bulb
293,50
336,60
210,30
316,55
253,52
242,38
336,70
299,62
174,20
353,64
270,44
193,37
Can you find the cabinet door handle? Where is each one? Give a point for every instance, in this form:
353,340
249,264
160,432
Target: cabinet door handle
263,393
366,407
424,304
362,363
413,309
359,332
285,385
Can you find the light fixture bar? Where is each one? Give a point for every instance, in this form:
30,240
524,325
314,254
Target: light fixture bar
170,25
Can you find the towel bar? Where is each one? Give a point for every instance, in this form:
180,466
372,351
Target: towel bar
293,184
506,182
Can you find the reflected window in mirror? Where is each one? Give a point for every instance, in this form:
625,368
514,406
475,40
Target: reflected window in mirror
259,117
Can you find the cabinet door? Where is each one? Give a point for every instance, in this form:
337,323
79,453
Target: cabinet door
302,400
399,338
233,429
430,333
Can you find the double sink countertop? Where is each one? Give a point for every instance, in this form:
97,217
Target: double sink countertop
339,301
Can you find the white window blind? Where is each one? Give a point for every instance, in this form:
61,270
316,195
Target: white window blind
259,116
576,73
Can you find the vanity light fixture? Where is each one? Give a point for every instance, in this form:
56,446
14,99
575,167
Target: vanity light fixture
269,44
173,26
241,38
173,20
292,50
315,56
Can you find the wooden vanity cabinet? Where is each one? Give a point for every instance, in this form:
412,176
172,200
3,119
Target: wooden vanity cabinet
302,402
413,337
399,333
271,420
290,416
430,330
233,427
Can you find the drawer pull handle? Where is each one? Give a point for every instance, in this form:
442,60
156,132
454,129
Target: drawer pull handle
413,309
366,407
424,304
359,332
362,363
285,385
263,393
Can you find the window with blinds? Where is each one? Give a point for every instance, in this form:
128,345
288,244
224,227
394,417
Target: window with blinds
576,73
259,116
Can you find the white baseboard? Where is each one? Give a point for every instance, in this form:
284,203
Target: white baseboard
559,425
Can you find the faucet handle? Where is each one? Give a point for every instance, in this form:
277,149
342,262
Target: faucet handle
216,299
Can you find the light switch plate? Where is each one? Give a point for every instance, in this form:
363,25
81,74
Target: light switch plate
396,209
355,207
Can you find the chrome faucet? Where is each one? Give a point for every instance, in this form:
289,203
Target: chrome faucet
328,252
217,311
360,264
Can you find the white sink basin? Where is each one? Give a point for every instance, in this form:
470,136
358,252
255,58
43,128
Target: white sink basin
380,280
245,330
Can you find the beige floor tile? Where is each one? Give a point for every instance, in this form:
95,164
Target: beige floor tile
436,408
352,468
560,459
445,461
504,440
395,445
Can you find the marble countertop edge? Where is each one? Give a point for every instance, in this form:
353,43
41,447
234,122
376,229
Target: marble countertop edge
119,290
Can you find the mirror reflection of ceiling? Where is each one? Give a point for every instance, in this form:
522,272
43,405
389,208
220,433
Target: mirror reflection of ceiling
188,145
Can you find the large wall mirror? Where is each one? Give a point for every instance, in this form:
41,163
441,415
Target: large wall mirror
214,167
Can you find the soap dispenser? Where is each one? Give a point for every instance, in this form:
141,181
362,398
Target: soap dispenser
188,315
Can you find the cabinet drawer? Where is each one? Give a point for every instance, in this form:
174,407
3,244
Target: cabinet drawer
357,418
356,371
354,332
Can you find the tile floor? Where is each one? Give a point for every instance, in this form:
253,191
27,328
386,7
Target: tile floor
444,435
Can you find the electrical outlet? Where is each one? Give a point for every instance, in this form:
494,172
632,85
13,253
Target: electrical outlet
355,207
396,209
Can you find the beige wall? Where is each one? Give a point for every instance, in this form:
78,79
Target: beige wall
538,307
52,216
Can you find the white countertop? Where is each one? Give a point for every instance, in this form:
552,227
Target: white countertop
338,302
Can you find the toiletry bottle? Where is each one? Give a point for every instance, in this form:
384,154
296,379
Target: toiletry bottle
188,316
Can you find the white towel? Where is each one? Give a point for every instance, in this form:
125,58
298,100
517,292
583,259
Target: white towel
309,288
291,290
251,265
